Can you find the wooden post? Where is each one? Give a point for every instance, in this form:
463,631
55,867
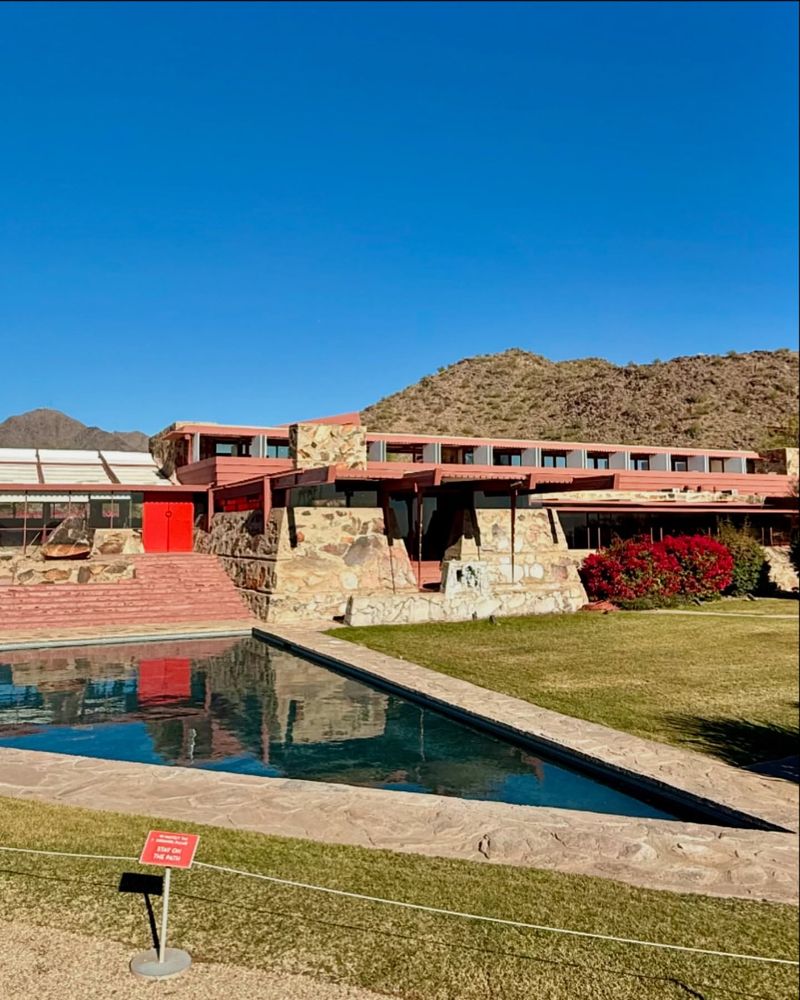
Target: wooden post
266,501
418,491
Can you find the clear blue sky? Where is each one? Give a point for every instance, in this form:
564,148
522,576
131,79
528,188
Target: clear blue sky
266,212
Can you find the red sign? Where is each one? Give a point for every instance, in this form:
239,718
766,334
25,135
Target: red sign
171,850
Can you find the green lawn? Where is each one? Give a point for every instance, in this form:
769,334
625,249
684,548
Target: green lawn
403,953
725,686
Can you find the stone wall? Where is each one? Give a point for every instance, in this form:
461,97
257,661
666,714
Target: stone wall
322,562
541,558
32,568
381,609
309,560
665,497
481,576
117,542
782,575
315,445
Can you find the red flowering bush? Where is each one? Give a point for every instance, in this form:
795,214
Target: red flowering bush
706,565
631,570
645,573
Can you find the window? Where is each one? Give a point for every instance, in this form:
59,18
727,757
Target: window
595,461
716,465
750,466
404,453
507,457
277,450
457,455
680,464
640,463
554,459
224,447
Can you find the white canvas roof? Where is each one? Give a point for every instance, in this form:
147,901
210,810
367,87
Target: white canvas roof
128,457
18,472
64,455
63,465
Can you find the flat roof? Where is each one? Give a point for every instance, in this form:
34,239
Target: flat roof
181,428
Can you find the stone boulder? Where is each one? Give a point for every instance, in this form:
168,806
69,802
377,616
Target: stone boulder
70,540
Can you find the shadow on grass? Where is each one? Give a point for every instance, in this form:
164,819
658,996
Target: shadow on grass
741,742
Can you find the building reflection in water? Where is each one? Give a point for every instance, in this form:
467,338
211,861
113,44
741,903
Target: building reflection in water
240,705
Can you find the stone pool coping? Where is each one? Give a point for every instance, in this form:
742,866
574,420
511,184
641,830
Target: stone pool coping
685,775
100,635
663,854
660,854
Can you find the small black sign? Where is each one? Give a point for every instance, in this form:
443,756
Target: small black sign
149,885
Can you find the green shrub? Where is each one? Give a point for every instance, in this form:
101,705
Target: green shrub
749,559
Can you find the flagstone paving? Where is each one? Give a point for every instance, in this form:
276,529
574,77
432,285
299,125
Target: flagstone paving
684,857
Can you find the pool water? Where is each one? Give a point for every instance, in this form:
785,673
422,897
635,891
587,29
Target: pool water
241,705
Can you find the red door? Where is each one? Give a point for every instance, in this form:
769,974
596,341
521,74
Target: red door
167,525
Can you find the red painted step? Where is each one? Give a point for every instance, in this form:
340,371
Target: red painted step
184,587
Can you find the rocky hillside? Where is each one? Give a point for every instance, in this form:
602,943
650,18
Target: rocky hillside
731,401
53,429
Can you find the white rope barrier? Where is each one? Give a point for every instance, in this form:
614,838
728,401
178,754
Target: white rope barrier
431,909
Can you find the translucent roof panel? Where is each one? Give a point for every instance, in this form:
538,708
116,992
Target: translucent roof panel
17,454
135,475
18,472
63,455
128,457
75,473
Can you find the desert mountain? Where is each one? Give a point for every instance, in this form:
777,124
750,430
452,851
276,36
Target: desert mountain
53,429
723,401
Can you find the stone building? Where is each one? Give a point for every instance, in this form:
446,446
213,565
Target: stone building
323,520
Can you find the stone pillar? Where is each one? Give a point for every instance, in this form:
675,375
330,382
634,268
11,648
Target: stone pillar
313,446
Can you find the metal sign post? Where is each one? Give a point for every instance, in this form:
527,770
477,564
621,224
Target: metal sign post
162,937
167,850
